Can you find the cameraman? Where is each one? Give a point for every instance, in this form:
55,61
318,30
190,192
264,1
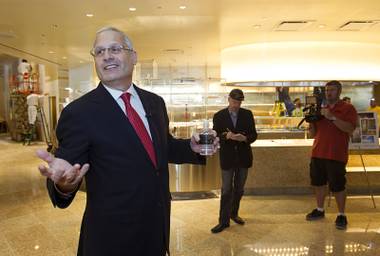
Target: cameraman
330,152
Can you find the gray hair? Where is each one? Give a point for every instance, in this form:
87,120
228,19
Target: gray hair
127,41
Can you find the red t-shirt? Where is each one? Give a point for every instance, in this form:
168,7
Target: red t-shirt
330,142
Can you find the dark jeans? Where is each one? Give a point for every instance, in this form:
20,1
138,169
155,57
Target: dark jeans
233,181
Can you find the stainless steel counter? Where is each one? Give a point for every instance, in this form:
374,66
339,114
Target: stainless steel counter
280,166
190,178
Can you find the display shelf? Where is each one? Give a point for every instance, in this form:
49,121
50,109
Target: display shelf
189,103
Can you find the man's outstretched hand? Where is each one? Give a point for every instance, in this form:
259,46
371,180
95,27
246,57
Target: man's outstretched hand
64,175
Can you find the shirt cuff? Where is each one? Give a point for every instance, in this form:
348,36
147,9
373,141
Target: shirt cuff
64,195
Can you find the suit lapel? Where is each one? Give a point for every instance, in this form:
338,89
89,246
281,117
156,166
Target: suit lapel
106,101
102,96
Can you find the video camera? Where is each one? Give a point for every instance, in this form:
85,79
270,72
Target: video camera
312,110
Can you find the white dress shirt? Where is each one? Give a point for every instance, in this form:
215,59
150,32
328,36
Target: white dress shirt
135,102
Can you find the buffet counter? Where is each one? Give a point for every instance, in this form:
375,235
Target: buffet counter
280,166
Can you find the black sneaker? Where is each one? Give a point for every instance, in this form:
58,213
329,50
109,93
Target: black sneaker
238,220
341,222
315,215
220,227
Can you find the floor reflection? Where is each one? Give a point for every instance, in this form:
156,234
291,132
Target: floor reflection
275,225
329,249
252,249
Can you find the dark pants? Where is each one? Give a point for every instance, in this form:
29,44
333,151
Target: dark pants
323,171
233,181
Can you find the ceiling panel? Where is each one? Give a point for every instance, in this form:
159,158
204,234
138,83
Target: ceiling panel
201,30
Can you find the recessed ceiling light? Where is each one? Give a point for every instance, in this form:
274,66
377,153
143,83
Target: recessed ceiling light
321,26
64,57
51,52
132,9
80,61
182,7
90,15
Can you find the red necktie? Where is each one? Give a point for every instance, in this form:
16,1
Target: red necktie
139,127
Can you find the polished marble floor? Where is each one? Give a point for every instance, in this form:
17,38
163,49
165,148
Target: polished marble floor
276,226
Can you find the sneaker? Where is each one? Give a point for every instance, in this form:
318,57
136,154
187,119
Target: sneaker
219,228
315,215
238,220
341,222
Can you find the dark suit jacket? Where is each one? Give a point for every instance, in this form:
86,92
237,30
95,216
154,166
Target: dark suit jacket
234,154
128,200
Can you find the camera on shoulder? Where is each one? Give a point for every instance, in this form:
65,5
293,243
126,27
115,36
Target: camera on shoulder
312,110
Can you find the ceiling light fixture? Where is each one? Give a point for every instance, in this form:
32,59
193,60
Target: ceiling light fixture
51,52
64,57
132,9
90,15
182,7
293,25
300,61
357,25
321,26
257,26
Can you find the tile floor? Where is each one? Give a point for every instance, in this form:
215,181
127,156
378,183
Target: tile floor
275,225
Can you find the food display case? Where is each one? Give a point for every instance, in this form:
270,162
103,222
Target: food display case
189,103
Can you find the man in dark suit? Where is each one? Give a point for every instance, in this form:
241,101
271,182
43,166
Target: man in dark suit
117,137
236,129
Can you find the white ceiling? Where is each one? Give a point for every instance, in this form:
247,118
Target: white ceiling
200,31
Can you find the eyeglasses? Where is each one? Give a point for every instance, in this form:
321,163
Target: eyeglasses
114,49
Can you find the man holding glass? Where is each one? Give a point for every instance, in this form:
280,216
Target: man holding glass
117,138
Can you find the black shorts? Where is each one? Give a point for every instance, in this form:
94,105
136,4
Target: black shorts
323,171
